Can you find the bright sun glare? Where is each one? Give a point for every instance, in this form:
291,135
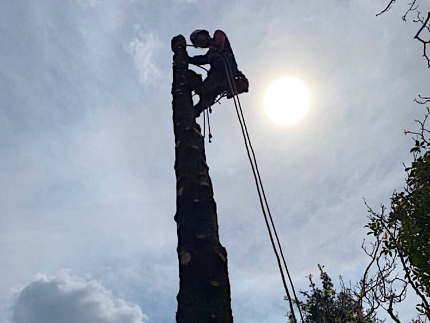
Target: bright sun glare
287,100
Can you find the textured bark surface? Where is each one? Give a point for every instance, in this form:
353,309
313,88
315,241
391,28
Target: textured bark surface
204,289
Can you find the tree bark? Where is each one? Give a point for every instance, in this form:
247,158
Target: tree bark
204,288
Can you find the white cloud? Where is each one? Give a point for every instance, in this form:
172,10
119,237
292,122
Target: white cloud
69,299
142,49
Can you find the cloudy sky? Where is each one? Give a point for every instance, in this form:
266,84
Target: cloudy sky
87,151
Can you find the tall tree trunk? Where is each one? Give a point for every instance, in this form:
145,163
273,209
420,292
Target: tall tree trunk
204,288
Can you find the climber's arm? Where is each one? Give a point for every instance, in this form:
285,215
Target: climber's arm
199,59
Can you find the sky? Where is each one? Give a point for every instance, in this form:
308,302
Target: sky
87,150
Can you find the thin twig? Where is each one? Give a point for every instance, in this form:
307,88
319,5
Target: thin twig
412,7
387,8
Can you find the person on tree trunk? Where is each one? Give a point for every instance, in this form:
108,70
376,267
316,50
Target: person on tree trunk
219,56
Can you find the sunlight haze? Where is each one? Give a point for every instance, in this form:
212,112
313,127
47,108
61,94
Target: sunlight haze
287,100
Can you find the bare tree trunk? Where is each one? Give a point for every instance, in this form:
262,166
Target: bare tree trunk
204,289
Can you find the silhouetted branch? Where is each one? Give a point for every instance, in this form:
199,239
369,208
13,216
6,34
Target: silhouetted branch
413,6
422,99
421,20
421,40
421,133
387,8
394,233
380,285
390,311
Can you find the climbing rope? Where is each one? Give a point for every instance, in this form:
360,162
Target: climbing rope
204,125
270,224
209,111
261,193
206,113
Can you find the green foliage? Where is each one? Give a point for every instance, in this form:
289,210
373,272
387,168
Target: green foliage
406,229
410,211
401,242
403,235
327,305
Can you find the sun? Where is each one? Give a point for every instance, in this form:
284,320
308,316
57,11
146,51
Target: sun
287,100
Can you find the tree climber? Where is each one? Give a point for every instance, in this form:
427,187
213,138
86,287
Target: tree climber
218,55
